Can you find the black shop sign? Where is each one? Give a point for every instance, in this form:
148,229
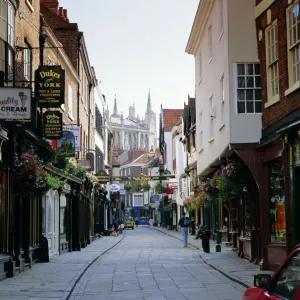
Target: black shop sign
50,86
52,125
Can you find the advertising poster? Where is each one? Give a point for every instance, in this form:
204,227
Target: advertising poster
76,132
66,144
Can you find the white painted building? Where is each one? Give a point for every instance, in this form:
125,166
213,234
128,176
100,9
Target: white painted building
228,90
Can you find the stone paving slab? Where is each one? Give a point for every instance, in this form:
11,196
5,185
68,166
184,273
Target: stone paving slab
55,279
226,261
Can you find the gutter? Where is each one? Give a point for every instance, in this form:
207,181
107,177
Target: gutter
50,168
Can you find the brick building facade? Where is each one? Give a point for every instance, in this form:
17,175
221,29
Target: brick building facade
278,155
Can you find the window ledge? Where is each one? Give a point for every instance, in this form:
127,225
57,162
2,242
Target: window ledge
210,60
29,5
222,33
272,101
200,81
62,107
222,126
70,117
201,150
292,89
211,140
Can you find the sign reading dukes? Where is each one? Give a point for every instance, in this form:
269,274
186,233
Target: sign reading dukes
50,86
52,125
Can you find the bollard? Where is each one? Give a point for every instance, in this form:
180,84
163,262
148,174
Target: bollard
205,241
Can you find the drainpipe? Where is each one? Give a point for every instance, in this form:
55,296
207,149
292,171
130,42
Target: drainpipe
78,88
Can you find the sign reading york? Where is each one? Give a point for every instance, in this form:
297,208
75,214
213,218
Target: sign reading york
15,103
50,86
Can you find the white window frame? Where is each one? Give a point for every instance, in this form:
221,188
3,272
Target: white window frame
70,101
221,7
211,119
222,102
201,131
27,62
210,46
272,64
200,66
292,47
246,88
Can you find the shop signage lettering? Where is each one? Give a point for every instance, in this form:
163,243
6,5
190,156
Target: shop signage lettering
52,125
15,104
50,86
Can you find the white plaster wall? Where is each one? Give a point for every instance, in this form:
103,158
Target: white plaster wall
168,141
239,33
242,43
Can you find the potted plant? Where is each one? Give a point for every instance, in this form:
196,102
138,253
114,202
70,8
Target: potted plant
30,173
55,183
146,187
158,188
127,187
137,187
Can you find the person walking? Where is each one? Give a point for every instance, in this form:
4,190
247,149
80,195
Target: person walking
136,219
151,221
184,224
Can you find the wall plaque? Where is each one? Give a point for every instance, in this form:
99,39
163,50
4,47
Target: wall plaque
50,86
52,125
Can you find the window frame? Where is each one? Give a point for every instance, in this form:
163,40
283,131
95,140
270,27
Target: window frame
27,54
222,102
70,101
272,99
221,8
245,88
200,65
201,131
211,119
292,85
210,44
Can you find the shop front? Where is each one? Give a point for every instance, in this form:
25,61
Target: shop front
274,204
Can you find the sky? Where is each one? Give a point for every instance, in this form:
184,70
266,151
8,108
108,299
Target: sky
137,45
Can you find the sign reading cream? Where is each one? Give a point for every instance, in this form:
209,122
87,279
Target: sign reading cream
52,125
15,103
50,86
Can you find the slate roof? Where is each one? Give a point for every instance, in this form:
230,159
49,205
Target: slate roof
171,118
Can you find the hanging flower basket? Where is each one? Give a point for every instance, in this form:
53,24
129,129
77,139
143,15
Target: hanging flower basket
30,173
127,187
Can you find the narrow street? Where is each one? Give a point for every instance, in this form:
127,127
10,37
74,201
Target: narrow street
144,264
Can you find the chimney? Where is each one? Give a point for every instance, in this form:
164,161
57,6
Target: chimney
60,12
51,4
66,15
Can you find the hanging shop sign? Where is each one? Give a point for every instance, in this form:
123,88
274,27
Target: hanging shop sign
50,86
76,132
66,144
15,104
52,125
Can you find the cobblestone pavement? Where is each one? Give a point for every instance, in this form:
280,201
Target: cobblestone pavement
227,261
144,264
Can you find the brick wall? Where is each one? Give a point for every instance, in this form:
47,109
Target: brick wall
66,32
27,28
287,104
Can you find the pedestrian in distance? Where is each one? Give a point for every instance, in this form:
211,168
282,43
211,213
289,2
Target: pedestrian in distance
184,224
136,221
116,227
151,221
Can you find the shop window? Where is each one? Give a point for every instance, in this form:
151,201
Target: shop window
277,201
3,221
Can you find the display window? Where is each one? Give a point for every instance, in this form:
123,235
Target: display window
276,199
